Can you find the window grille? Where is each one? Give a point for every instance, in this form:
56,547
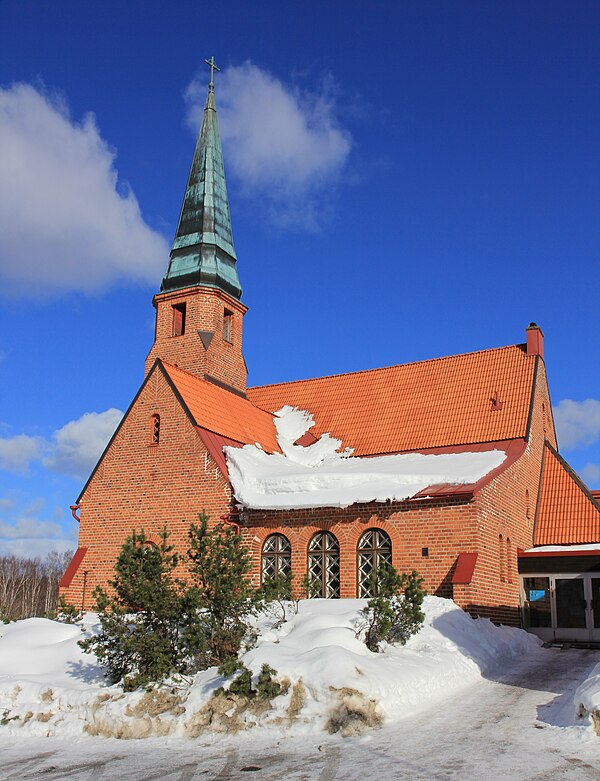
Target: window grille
276,560
324,566
155,430
374,552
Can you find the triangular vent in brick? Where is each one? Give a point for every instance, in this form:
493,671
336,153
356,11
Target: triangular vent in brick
206,338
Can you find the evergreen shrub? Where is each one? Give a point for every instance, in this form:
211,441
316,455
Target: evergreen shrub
394,613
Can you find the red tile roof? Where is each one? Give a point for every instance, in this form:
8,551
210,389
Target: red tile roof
223,412
434,403
567,513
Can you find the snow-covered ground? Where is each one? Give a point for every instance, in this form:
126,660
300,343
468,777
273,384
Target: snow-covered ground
49,687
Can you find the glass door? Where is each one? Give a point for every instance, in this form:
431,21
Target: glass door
594,607
537,610
571,608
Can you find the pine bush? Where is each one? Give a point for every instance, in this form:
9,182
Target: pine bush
219,565
394,613
148,623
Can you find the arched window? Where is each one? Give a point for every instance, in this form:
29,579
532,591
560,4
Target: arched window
374,551
509,561
155,430
324,566
276,559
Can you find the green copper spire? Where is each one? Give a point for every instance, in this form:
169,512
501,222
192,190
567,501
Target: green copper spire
203,252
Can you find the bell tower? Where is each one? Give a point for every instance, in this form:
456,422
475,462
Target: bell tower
198,309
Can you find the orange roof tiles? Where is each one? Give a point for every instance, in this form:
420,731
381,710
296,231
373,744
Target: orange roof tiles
567,513
435,403
223,412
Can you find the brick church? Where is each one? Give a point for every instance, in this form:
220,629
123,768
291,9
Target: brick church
470,540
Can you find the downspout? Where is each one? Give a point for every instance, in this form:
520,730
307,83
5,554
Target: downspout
227,519
73,508
85,574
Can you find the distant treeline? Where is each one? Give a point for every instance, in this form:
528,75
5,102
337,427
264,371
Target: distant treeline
29,587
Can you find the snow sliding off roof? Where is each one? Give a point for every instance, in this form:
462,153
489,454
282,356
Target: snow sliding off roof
320,476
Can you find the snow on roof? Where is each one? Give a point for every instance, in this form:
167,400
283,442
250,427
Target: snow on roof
593,546
319,475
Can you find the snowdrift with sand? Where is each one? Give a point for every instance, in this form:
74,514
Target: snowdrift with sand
48,686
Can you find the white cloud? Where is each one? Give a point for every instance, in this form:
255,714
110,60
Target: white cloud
591,474
577,423
26,534
282,144
73,450
65,224
77,446
32,548
29,528
16,453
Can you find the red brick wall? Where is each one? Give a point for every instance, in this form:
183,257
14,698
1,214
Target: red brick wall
140,485
506,507
445,527
205,307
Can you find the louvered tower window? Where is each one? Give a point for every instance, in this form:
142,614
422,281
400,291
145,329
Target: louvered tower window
324,566
374,551
178,319
276,560
228,325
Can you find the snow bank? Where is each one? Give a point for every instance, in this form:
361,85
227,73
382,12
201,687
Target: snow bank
319,645
587,698
320,476
48,687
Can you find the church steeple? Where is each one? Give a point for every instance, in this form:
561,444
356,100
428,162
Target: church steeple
203,252
199,313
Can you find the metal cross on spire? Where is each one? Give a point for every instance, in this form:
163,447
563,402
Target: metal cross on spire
213,68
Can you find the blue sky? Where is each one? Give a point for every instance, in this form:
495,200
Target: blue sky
406,181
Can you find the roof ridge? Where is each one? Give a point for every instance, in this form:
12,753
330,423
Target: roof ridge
384,368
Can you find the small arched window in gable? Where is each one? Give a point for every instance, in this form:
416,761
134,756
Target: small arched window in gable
155,430
501,559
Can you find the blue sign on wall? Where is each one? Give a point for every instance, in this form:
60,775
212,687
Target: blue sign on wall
535,594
